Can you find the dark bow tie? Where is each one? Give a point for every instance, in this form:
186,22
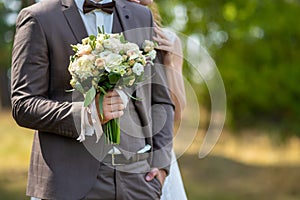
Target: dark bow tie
89,6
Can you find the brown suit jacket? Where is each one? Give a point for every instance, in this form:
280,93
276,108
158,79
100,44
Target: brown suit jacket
61,167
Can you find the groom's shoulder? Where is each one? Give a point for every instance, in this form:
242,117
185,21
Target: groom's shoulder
135,8
45,12
42,8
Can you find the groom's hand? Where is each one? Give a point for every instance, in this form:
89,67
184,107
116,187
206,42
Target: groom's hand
160,174
112,106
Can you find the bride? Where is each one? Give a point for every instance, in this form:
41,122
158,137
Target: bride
170,44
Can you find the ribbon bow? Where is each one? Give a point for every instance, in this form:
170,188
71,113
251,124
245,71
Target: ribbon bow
89,6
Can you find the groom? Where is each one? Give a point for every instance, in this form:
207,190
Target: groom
61,168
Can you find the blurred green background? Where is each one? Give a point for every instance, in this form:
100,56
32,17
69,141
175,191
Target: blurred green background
256,46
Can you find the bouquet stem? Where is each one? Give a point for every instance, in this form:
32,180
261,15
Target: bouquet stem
112,131
112,127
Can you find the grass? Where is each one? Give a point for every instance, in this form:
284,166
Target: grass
215,178
13,184
248,167
15,144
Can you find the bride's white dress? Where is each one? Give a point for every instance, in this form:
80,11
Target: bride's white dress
173,188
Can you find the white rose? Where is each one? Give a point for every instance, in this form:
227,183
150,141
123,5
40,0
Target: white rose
113,45
152,54
105,54
84,50
148,46
133,54
99,47
138,69
131,46
85,66
85,41
100,63
72,67
86,60
113,60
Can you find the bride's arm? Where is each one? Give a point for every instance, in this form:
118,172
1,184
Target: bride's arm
173,61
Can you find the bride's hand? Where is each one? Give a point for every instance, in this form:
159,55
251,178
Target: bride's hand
143,2
170,44
165,44
136,1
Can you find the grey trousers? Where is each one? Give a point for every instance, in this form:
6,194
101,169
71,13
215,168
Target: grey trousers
112,184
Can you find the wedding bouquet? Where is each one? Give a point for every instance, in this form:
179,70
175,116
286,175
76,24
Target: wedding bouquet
105,62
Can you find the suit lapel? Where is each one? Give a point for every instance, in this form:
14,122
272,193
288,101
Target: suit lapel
123,20
117,25
123,17
74,19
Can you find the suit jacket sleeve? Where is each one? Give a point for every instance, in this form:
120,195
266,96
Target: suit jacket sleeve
31,105
162,114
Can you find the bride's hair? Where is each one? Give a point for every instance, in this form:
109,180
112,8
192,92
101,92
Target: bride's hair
156,16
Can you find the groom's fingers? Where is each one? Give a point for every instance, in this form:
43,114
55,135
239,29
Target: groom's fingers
160,174
150,175
111,93
112,106
112,100
116,107
107,116
112,111
113,115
